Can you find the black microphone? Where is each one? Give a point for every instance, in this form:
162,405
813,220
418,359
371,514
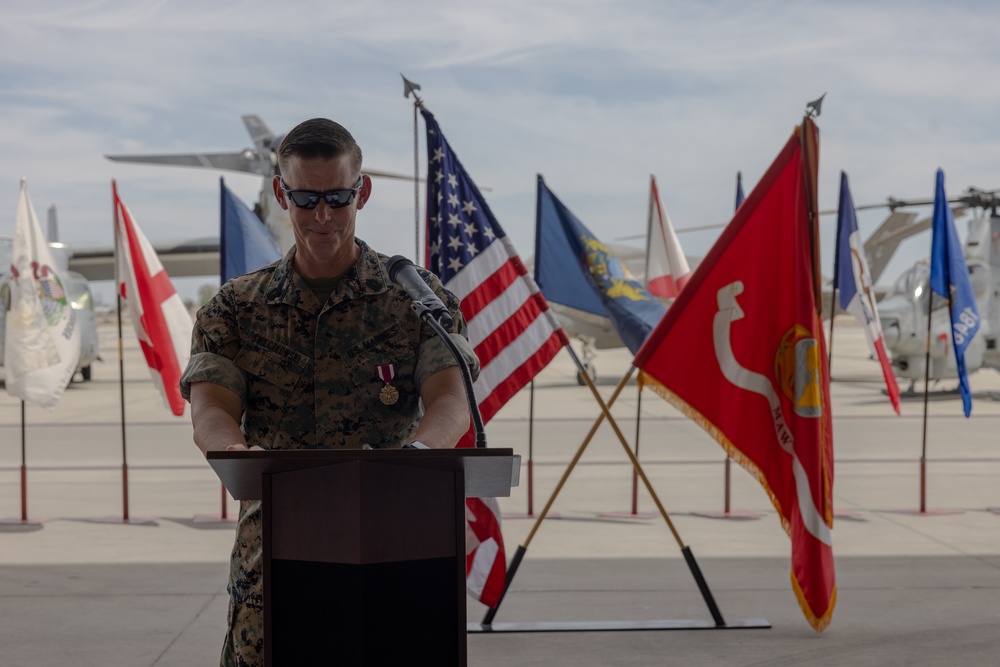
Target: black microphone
402,272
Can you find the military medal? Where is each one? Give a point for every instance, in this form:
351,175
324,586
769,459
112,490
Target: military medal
388,394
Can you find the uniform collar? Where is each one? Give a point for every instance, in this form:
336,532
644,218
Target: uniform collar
366,277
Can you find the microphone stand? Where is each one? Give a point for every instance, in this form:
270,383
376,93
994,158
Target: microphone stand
425,315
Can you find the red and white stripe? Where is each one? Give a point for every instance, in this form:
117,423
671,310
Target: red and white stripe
513,331
666,267
515,336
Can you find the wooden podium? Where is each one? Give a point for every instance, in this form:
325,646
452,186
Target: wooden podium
364,550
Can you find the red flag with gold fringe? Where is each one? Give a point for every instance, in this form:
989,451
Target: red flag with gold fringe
742,353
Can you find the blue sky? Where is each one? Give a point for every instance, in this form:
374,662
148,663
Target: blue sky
596,95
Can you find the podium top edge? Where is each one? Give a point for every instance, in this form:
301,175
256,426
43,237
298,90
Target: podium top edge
488,472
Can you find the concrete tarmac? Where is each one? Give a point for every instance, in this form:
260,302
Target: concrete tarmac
81,587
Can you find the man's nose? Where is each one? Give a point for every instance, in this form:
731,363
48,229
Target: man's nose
323,210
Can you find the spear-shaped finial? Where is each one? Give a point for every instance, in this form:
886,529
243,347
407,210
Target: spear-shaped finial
410,87
813,108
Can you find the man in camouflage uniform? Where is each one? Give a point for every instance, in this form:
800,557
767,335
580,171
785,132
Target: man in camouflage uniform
318,350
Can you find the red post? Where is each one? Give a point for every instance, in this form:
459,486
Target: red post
923,485
125,491
728,461
24,493
531,489
224,494
635,491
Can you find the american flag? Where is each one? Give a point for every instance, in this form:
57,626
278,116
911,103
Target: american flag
52,289
511,328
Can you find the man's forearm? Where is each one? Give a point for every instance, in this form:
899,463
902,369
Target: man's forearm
215,430
444,422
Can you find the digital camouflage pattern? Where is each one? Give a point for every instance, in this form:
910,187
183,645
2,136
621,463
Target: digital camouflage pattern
308,376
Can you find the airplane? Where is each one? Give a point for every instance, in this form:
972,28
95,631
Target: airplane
77,287
904,310
262,160
200,257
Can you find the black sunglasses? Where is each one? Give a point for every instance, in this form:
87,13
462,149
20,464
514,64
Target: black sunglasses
308,199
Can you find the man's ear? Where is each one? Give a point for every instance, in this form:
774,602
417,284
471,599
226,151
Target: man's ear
278,193
366,191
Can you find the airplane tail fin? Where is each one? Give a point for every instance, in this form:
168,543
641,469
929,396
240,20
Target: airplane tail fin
262,136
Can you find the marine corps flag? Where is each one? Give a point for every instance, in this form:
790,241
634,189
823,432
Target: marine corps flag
741,352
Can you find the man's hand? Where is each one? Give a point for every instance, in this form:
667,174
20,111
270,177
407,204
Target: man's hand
243,448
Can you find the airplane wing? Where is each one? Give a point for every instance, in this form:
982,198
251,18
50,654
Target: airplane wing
198,257
243,161
262,136
583,325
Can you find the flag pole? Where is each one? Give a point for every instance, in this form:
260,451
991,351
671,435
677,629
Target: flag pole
635,475
522,548
121,353
923,444
531,438
706,593
408,88
416,184
833,291
224,515
606,414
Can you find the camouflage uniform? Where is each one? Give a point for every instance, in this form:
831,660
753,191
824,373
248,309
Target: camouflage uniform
308,376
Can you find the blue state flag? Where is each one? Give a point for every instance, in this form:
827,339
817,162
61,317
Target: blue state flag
244,242
739,189
573,268
950,279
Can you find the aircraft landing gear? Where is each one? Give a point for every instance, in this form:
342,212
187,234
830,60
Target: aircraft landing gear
591,371
589,354
85,372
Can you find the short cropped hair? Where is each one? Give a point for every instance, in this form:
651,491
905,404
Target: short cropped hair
319,138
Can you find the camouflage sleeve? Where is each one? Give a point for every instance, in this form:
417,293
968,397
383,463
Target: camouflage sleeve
214,344
211,367
433,355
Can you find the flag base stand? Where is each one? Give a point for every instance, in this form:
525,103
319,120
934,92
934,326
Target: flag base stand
928,512
212,518
30,521
617,626
519,515
132,520
735,515
628,515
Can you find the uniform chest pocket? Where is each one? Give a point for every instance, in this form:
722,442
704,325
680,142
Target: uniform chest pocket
272,363
390,352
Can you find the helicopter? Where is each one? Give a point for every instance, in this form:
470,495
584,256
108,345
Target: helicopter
904,309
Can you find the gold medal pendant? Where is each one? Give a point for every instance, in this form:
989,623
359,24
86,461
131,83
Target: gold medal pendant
388,395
